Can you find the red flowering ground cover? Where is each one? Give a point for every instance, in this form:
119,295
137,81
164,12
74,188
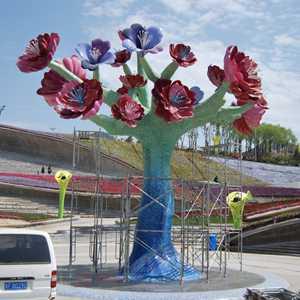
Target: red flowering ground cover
254,208
8,215
81,183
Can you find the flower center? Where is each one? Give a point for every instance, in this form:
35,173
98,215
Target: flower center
33,48
177,95
130,109
95,53
177,99
184,52
143,38
78,94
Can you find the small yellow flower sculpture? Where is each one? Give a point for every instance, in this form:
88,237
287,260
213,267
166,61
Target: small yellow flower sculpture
236,202
63,178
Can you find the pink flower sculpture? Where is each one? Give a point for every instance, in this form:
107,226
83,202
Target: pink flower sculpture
241,73
250,119
52,83
38,53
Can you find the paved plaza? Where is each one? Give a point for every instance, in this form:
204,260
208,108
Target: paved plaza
286,267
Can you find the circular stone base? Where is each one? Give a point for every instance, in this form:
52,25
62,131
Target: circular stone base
82,282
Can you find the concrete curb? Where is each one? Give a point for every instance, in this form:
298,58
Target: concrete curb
48,222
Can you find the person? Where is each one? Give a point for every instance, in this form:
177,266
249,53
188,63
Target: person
216,179
43,170
49,169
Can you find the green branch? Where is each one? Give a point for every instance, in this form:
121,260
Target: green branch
148,70
127,70
228,115
212,105
62,71
113,126
96,74
206,111
169,71
145,100
110,97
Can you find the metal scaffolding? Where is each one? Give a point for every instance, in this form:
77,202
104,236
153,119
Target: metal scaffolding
201,231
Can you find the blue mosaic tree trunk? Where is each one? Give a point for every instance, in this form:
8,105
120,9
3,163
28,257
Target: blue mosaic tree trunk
154,257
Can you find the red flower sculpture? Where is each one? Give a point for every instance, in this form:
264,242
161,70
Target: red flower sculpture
132,81
241,73
122,57
38,53
52,82
250,119
216,75
174,101
182,55
122,90
79,99
128,110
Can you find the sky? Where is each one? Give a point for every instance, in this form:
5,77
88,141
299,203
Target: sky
267,30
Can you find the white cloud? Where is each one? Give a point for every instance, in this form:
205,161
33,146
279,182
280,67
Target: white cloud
106,8
217,11
260,28
281,90
286,40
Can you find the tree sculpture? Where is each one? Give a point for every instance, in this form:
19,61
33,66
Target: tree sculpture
157,119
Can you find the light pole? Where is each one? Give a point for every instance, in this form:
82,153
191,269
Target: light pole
53,130
2,109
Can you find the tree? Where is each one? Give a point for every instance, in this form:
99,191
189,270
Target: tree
266,141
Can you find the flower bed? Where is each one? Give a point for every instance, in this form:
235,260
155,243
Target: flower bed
116,186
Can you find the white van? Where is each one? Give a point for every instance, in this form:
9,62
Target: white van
27,265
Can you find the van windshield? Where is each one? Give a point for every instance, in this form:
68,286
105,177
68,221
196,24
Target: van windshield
23,249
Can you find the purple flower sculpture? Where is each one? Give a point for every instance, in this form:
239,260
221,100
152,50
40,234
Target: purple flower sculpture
141,39
98,52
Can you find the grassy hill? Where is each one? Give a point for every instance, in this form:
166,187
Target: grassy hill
185,164
43,147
